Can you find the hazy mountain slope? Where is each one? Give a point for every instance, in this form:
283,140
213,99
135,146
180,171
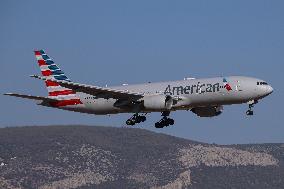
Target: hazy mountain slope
106,157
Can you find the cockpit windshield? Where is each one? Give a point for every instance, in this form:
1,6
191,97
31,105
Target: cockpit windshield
261,83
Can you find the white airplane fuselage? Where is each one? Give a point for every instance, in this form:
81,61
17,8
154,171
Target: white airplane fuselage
192,92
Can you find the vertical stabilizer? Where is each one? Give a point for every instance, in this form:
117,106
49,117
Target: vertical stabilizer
51,71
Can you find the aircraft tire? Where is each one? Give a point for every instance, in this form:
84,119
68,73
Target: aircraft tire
249,112
143,118
158,125
138,120
171,121
130,122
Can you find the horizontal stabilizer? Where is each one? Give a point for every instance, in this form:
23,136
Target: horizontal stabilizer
46,99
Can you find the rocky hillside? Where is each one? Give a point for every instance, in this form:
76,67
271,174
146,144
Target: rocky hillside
105,157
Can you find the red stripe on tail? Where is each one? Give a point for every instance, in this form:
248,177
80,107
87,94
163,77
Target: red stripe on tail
37,53
51,83
57,93
46,73
41,62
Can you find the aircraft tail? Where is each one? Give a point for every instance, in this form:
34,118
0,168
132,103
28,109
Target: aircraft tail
51,71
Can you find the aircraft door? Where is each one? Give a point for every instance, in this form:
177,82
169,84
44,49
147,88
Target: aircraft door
238,86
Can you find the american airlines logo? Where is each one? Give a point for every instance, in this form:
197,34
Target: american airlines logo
193,89
226,85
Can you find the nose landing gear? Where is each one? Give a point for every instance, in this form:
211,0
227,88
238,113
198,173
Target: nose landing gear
136,118
250,111
165,121
251,104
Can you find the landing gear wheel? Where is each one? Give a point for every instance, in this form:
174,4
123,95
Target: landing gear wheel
249,112
251,105
143,118
171,121
165,121
135,119
130,122
158,125
138,120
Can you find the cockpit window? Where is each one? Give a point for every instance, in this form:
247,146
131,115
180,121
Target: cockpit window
261,83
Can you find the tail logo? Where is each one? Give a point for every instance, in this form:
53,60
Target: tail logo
50,70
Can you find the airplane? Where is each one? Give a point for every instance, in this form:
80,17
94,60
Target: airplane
204,97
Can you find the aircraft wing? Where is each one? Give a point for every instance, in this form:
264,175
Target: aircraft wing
99,92
46,99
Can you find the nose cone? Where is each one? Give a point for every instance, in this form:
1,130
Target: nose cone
269,90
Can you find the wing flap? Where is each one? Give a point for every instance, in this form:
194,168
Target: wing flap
99,92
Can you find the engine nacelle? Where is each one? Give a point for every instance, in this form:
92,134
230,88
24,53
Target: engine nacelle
208,111
158,102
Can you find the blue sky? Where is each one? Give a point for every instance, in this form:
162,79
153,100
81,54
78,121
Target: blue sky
115,42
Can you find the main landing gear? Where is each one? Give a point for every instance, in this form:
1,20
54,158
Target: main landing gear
251,104
136,118
165,121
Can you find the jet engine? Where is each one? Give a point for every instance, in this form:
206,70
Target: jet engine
158,102
210,111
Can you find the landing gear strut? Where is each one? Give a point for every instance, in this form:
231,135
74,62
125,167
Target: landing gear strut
165,121
249,112
136,118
